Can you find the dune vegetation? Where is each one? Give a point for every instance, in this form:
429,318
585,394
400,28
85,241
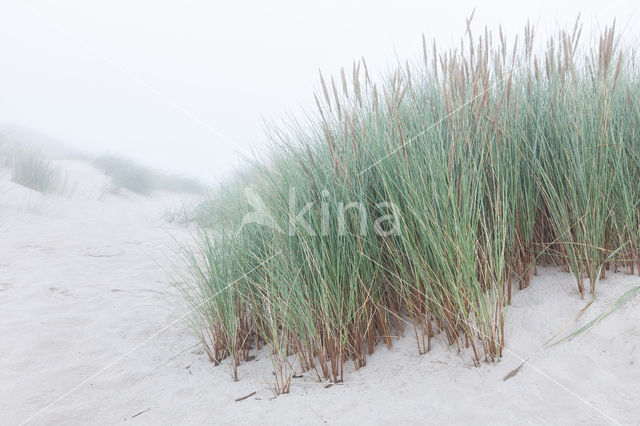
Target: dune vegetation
127,174
32,170
415,203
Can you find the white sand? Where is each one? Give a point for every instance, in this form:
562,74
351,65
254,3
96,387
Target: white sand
84,278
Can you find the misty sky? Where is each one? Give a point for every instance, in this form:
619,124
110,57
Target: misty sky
185,85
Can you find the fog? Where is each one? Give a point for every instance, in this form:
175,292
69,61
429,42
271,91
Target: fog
185,86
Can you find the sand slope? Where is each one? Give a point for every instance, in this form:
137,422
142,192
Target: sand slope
84,278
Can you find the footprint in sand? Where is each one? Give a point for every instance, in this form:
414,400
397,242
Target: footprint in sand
63,291
102,251
37,247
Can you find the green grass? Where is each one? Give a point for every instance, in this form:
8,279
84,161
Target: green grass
31,169
493,159
127,174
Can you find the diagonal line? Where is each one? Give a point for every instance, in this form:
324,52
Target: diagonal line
451,113
118,67
191,115
515,355
439,121
135,348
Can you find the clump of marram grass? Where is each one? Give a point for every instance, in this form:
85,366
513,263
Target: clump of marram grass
31,169
127,174
220,211
482,162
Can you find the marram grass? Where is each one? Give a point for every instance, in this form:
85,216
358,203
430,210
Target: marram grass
416,203
32,170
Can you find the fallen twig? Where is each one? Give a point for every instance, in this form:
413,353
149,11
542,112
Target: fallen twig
141,412
242,398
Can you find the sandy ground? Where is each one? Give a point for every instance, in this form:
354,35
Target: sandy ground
85,278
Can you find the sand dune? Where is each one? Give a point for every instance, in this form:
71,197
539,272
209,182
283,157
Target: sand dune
85,278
